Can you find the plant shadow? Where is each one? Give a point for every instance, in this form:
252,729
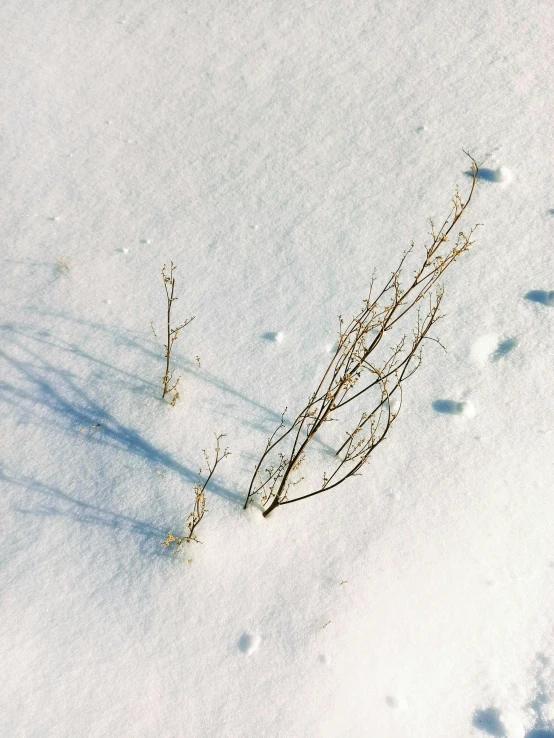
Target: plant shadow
54,502
130,341
267,420
487,175
490,720
71,409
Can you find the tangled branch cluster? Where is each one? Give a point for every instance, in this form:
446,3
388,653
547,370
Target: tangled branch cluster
364,370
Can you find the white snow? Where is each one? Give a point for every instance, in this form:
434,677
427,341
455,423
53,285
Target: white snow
503,174
466,408
277,153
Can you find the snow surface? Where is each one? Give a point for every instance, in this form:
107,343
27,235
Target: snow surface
277,153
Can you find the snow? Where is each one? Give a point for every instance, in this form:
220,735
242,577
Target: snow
278,154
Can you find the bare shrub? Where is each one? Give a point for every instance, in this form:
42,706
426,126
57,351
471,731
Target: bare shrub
364,371
199,496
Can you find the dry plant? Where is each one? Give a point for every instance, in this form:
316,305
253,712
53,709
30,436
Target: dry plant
170,387
200,495
62,267
364,371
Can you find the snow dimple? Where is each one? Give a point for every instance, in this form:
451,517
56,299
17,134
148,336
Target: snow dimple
509,723
489,348
248,643
502,174
501,724
274,336
467,409
451,407
504,348
395,703
490,722
324,659
484,347
541,296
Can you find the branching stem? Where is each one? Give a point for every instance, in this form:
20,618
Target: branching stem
170,386
357,355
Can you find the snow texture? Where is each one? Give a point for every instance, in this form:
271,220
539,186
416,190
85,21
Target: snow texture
278,153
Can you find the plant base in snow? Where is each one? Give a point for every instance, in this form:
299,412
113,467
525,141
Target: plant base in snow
199,497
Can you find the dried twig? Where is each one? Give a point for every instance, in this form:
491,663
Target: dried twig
170,386
62,266
199,495
360,370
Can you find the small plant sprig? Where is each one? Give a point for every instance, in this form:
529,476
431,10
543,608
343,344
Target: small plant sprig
170,387
199,496
62,267
364,370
